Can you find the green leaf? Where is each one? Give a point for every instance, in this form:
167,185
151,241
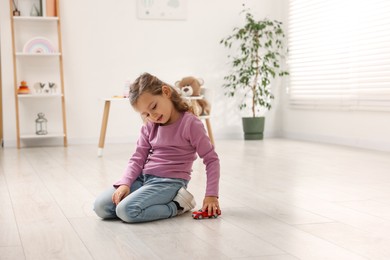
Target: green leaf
261,47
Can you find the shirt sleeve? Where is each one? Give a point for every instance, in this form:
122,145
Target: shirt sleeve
205,149
137,160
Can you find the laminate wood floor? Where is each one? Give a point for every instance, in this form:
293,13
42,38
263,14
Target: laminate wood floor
280,200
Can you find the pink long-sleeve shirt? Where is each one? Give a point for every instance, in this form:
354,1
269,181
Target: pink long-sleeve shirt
169,151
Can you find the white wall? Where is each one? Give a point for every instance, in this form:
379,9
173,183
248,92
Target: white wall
353,128
104,44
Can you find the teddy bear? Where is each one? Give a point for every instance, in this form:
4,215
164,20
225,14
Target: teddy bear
191,87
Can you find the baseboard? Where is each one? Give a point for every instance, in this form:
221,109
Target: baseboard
240,136
9,143
134,138
109,140
353,142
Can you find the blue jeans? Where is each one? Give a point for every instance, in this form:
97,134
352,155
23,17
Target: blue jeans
150,199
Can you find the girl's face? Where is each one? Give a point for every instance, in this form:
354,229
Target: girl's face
158,109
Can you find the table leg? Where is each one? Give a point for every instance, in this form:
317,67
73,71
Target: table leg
209,131
104,127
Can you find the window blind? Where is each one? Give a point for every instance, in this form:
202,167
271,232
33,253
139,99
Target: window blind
339,54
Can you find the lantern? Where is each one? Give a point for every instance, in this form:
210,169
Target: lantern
41,124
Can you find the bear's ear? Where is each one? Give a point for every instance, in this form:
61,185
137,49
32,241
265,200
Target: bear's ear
177,83
201,81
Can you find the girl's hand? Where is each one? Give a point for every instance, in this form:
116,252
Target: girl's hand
120,193
211,205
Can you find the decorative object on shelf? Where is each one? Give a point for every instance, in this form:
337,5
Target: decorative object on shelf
43,88
52,87
34,11
126,88
190,87
38,45
37,87
15,12
41,124
40,88
42,7
23,88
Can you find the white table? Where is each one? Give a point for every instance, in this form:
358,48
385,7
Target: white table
106,112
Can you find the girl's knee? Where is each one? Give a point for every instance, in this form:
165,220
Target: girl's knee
129,214
103,210
103,206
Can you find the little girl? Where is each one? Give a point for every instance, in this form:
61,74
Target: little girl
154,183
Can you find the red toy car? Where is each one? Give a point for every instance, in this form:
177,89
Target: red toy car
204,214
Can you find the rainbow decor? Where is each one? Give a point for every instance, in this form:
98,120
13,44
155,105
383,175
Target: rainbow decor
38,45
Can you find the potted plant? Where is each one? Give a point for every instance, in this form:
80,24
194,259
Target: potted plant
259,49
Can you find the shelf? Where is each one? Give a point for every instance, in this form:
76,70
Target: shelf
54,54
35,18
35,136
194,98
27,96
39,57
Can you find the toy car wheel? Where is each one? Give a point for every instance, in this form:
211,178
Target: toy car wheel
200,217
215,216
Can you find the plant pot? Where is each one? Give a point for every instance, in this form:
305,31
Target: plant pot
253,128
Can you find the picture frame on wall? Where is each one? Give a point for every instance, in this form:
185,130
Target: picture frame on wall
162,9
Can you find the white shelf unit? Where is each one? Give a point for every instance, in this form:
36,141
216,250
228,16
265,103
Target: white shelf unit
34,136
33,67
22,54
35,18
27,96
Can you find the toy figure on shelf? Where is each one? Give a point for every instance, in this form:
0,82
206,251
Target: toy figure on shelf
52,87
39,87
23,88
190,87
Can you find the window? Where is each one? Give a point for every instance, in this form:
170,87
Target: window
339,54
